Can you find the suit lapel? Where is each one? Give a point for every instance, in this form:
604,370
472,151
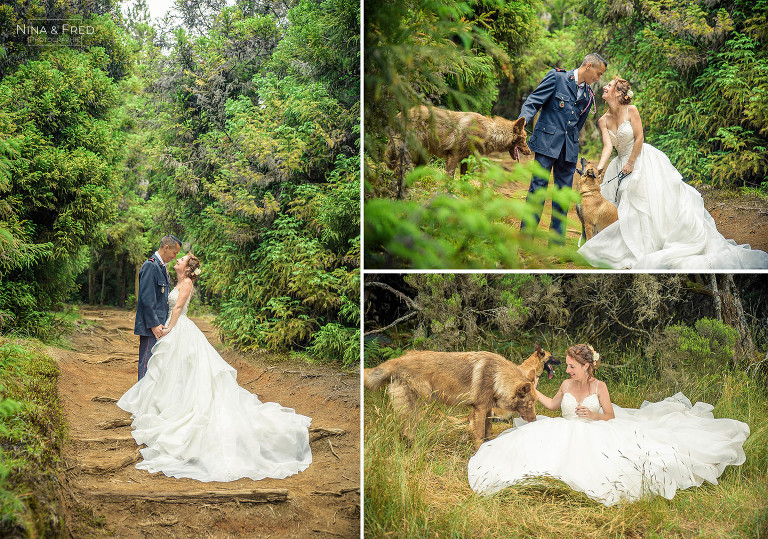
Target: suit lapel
572,83
164,269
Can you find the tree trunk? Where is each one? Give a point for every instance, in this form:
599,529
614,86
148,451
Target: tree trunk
733,315
716,296
91,286
136,283
746,343
123,286
103,284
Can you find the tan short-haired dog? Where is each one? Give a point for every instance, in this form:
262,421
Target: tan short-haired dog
595,211
538,362
482,380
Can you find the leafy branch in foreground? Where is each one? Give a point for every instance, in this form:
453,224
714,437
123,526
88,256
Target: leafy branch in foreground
468,225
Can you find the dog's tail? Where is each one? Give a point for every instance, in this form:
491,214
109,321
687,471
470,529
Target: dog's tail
376,377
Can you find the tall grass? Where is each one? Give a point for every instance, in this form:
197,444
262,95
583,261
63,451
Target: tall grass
31,434
420,488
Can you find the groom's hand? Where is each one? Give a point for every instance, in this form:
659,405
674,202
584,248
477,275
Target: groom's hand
157,331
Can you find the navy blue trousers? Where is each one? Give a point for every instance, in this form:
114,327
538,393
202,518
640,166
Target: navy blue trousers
146,342
563,172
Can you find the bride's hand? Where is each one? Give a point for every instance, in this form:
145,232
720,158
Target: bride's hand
628,168
583,411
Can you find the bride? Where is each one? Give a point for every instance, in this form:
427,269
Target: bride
195,420
612,454
663,223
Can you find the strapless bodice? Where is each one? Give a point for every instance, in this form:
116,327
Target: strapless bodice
173,297
569,404
623,139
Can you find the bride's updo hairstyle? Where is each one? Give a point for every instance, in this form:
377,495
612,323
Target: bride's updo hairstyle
193,268
585,355
624,92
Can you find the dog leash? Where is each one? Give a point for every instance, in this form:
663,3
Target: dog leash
620,176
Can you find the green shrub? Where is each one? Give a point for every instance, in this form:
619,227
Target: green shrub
708,346
334,342
32,431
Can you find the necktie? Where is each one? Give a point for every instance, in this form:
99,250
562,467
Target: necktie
580,91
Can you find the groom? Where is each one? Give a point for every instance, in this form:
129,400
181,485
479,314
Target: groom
564,98
152,304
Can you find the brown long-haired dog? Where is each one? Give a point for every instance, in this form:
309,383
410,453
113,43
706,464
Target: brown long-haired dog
454,136
481,380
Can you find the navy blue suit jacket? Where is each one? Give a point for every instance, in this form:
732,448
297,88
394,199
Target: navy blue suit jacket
152,301
562,116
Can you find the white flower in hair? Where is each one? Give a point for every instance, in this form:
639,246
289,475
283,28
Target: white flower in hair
197,271
630,94
595,356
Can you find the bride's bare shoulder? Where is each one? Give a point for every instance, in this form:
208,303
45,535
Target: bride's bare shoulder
186,285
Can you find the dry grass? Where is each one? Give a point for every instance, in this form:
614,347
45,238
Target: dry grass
420,489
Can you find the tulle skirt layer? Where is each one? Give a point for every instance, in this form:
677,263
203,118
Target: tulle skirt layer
662,224
654,450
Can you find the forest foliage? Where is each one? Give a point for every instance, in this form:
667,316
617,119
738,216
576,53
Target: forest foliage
701,73
235,128
32,431
658,321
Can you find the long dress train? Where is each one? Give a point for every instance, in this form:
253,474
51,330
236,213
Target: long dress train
659,448
197,422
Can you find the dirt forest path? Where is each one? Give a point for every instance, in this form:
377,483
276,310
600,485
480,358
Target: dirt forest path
742,218
322,501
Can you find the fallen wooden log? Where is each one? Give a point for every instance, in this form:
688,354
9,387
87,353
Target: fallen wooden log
110,468
110,359
318,433
104,399
104,440
209,496
341,492
114,423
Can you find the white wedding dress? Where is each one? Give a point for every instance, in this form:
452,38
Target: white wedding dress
197,422
656,449
663,223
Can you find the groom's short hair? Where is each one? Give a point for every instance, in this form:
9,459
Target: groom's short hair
169,240
594,59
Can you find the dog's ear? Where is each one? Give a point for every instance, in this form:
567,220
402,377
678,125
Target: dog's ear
520,124
539,351
523,389
531,375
